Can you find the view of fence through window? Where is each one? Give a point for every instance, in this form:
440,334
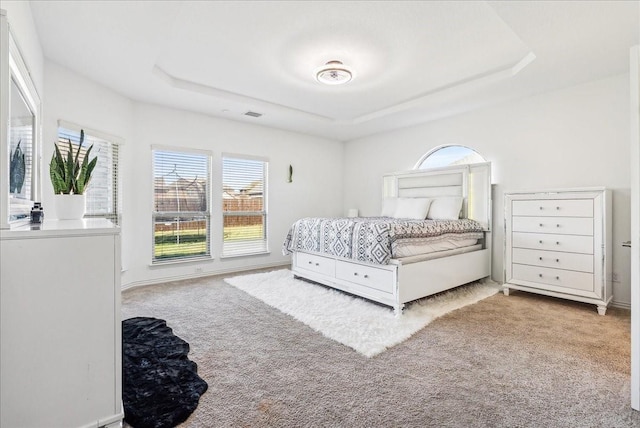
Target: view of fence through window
181,205
243,205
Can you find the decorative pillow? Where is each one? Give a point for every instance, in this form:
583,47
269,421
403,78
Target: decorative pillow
413,208
445,208
388,207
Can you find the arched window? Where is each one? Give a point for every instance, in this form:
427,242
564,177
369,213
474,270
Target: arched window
449,155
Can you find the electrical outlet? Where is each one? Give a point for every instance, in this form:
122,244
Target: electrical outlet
615,277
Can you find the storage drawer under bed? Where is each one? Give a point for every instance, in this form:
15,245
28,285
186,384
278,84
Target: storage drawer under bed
369,276
316,263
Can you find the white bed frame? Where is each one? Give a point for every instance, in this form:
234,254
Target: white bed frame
400,282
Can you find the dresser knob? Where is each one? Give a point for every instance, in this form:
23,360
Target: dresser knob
557,243
310,263
317,264
366,276
557,208
355,274
540,224
557,260
540,258
540,242
557,277
540,275
557,225
541,208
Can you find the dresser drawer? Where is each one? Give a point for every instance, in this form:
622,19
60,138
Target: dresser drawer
369,276
557,225
315,263
551,278
553,259
564,243
553,208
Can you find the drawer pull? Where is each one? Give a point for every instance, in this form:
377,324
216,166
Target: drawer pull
557,225
557,243
540,241
558,278
557,208
557,260
355,274
541,208
540,275
541,224
310,262
366,276
540,258
317,264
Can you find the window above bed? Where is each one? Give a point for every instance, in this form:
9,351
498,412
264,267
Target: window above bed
449,155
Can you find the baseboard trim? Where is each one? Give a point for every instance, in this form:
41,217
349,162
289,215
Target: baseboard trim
621,305
218,272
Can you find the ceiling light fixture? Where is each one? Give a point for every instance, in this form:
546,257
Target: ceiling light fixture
334,73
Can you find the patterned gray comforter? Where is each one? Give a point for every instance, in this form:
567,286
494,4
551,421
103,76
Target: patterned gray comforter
371,239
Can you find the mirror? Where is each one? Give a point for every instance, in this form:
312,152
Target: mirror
20,155
20,131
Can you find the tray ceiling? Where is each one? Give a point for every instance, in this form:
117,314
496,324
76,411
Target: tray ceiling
412,61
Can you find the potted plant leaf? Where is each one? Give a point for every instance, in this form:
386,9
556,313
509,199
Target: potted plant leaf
70,175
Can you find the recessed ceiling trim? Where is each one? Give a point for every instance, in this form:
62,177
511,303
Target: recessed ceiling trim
466,84
187,85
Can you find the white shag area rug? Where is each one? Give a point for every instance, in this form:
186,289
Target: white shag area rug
366,327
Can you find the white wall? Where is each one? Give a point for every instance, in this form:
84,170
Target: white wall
575,137
316,187
317,163
74,98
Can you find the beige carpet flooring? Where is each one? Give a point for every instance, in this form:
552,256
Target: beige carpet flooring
517,361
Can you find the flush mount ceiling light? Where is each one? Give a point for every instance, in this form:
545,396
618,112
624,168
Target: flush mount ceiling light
334,73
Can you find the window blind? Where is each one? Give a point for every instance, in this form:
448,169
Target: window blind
244,211
102,194
181,216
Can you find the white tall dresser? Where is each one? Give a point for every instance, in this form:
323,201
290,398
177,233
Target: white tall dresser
60,328
558,243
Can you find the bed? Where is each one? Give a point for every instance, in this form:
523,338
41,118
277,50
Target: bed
394,260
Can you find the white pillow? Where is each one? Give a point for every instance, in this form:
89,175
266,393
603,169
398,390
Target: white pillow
388,207
445,208
413,208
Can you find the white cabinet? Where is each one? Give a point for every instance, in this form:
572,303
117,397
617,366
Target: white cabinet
60,327
558,243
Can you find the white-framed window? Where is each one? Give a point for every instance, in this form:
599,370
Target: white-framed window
103,192
181,205
449,155
244,205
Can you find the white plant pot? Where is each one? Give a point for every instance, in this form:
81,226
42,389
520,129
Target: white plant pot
69,207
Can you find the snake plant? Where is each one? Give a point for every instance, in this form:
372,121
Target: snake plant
68,174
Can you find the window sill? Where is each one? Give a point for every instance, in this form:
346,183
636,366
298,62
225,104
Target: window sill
232,256
181,261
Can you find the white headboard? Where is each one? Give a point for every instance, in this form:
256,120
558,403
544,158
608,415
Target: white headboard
472,182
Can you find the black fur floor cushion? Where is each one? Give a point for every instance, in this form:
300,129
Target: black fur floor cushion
160,385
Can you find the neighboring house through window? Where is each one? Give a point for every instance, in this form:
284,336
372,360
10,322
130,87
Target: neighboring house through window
181,213
449,155
244,206
102,195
